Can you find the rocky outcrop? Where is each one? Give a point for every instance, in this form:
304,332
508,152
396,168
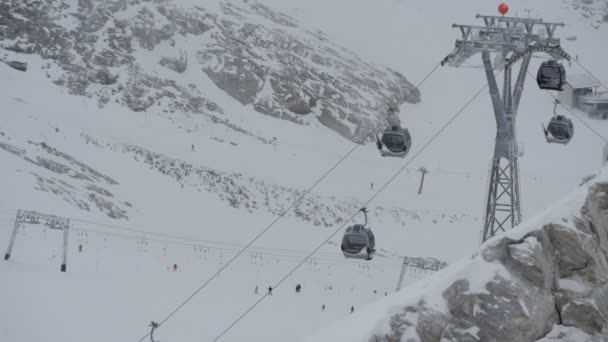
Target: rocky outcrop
261,58
542,282
307,74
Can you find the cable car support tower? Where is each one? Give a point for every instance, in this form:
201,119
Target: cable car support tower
511,39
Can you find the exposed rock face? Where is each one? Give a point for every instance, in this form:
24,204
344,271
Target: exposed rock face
551,283
307,74
261,58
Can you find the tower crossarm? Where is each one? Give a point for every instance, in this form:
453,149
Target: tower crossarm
554,51
467,30
459,55
504,40
510,22
472,31
527,23
466,49
550,28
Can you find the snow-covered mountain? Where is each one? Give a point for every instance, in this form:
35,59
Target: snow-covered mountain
140,121
114,50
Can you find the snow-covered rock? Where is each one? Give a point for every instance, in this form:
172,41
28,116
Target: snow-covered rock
545,280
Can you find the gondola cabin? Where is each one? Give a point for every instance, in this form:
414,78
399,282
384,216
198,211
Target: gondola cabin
358,243
559,130
394,142
551,76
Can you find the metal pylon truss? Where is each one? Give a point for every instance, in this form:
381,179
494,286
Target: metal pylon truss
503,209
513,40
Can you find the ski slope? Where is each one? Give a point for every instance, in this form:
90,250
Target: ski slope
118,284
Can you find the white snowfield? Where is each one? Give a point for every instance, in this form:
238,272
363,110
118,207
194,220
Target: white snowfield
123,278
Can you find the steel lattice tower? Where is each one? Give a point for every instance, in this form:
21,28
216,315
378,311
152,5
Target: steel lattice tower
512,39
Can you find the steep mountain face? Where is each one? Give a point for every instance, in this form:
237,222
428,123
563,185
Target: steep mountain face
311,74
115,51
543,281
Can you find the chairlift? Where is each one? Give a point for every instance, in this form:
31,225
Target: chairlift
394,142
551,75
358,241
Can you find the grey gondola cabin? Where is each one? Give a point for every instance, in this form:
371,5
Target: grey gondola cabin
551,76
394,142
358,241
560,130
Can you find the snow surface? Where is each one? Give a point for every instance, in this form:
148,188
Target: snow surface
120,282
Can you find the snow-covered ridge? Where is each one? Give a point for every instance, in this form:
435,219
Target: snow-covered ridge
154,54
544,280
